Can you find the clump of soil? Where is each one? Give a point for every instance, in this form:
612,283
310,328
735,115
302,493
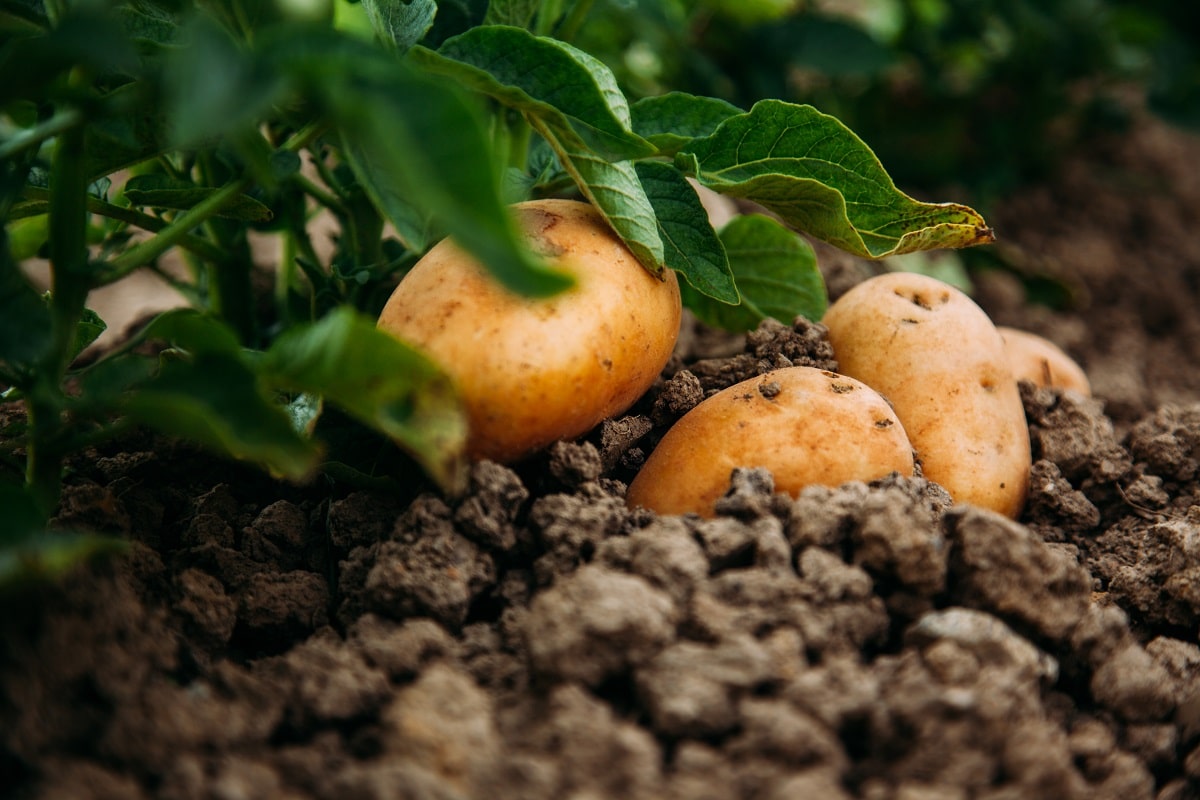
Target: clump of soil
535,638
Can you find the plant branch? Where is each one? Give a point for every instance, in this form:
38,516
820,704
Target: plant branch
35,136
176,231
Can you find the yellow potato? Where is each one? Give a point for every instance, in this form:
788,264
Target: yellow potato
532,371
806,425
937,357
1041,362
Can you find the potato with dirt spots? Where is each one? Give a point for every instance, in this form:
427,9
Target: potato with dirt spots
937,357
806,425
532,371
1042,363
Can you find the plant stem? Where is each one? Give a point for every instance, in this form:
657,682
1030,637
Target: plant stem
70,283
35,136
131,216
574,21
176,231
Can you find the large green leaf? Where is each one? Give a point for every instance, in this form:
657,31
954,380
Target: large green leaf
381,382
207,391
670,121
420,149
544,78
776,273
573,101
819,177
214,87
401,22
615,189
691,246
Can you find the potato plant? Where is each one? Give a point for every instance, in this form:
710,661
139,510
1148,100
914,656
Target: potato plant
168,136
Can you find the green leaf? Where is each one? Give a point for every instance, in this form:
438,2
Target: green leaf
413,222
691,246
161,191
380,381
813,172
542,78
511,12
214,88
670,121
776,272
414,141
87,37
401,22
87,331
215,400
425,145
616,190
148,23
193,331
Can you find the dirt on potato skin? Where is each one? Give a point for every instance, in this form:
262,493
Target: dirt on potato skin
537,639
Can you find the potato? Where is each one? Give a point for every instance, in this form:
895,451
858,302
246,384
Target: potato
806,425
532,371
1041,362
937,357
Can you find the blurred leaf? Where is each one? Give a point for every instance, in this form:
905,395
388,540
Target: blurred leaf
833,48
544,78
87,36
669,121
691,246
30,553
27,235
414,223
511,12
819,177
213,87
381,382
149,23
214,399
193,331
133,128
156,190
401,22
776,272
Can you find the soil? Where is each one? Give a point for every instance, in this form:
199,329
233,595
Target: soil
537,639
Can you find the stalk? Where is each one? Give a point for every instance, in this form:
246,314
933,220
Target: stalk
70,282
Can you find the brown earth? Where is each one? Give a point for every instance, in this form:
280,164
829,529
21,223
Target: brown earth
536,639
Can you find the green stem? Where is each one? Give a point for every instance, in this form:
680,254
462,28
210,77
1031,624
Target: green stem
548,14
70,283
176,231
35,136
132,216
574,21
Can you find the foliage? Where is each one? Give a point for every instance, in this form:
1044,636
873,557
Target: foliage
170,136
981,93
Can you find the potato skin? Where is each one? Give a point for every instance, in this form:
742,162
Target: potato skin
1042,363
806,425
532,371
937,357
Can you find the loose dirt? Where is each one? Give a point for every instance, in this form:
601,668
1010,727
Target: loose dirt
537,639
